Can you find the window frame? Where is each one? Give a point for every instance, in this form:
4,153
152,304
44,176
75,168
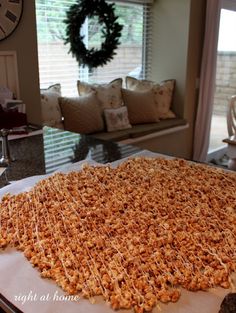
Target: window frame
84,74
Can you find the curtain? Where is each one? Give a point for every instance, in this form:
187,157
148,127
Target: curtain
207,81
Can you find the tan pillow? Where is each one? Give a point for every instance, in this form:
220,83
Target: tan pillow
51,112
109,94
82,114
117,119
141,106
163,94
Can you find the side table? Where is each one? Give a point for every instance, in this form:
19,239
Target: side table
231,152
27,152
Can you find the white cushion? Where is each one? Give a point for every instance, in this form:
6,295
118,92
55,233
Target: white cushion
51,112
109,95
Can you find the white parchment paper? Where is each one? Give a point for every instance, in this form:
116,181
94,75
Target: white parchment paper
22,285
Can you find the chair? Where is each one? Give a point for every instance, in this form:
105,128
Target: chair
231,116
231,140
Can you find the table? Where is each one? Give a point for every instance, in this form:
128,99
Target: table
38,154
188,303
61,148
42,152
231,152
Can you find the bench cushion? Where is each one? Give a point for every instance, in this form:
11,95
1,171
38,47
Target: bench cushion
146,129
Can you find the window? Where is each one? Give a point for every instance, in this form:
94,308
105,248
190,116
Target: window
57,66
225,84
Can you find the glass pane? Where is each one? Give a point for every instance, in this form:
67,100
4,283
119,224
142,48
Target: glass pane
225,77
56,65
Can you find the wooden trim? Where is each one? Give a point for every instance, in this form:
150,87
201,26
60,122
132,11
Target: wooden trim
9,71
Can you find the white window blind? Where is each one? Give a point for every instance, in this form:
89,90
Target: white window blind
56,65
137,1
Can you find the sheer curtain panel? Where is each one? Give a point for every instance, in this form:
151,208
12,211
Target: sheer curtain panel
207,81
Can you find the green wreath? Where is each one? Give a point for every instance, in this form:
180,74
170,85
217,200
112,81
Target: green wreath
111,33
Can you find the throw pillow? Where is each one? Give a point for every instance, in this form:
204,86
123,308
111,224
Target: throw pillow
141,106
138,84
117,119
163,94
82,114
51,112
109,94
164,98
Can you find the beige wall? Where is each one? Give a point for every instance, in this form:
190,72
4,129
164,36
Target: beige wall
170,44
177,46
23,41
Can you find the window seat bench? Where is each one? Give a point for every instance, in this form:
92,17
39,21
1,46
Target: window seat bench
141,132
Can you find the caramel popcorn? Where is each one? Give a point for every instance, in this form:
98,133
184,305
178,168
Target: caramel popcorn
134,234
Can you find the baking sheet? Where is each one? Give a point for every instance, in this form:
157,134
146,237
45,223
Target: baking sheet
22,285
27,183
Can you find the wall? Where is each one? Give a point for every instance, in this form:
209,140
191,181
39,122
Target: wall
23,41
177,46
225,81
170,44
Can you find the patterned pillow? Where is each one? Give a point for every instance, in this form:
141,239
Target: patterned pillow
141,106
163,94
164,98
82,114
138,84
117,119
109,94
51,112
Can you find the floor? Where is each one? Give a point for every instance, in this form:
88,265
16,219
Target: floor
218,132
216,155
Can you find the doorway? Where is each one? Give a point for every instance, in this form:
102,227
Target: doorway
225,78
